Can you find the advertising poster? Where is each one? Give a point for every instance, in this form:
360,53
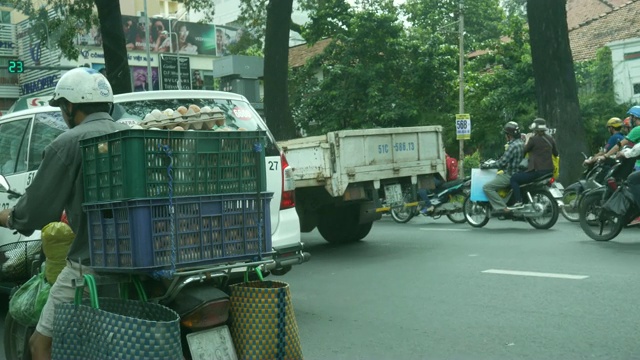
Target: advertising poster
165,36
139,76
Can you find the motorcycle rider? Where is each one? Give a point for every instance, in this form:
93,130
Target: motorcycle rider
632,138
614,126
85,99
509,162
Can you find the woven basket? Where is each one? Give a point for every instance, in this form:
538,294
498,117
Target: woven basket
116,329
263,325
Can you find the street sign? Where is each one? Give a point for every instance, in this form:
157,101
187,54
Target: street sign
463,126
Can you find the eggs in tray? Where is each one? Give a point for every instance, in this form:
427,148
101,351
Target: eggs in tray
187,118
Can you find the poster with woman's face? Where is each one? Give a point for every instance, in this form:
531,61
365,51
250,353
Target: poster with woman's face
139,76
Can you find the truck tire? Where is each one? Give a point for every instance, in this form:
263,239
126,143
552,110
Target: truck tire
363,230
339,224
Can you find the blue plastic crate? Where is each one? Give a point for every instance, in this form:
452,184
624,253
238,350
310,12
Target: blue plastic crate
135,235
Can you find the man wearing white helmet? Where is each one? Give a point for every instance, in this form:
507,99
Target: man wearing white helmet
85,99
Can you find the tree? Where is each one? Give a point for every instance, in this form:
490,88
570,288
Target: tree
114,45
276,69
556,89
482,22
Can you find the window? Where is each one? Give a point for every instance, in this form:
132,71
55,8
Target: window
13,137
46,127
5,17
636,89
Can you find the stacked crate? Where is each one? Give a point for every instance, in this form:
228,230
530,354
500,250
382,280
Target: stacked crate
165,199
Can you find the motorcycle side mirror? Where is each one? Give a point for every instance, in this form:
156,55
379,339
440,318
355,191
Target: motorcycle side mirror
4,184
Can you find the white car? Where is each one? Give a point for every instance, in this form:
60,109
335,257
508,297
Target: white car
25,134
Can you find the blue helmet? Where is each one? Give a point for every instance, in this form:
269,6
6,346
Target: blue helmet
635,111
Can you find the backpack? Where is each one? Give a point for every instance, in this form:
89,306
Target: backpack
452,168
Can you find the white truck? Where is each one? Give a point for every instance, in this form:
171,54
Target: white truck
340,177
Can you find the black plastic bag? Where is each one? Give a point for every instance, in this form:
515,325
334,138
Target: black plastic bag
620,202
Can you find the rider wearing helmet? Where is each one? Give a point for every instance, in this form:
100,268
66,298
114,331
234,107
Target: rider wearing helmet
85,99
614,126
509,162
632,138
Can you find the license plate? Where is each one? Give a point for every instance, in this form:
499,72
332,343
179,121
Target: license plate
558,186
556,193
393,194
213,343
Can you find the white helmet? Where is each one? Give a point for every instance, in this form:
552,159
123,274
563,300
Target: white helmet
82,85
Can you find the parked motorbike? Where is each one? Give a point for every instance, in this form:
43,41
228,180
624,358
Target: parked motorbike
447,199
540,209
598,224
198,295
592,178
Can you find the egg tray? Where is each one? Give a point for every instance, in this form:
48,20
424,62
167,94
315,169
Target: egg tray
189,121
136,235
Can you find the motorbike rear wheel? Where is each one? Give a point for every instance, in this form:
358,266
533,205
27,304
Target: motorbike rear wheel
548,208
403,214
476,213
570,210
598,225
457,217
16,339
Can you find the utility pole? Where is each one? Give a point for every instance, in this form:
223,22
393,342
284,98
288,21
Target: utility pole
461,84
146,35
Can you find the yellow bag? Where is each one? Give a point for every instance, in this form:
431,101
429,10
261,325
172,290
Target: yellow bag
556,166
56,240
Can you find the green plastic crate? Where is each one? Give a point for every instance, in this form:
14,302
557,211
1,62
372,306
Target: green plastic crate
134,163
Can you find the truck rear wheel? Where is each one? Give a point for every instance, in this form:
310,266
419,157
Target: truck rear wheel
339,224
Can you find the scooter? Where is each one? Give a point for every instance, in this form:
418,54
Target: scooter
596,222
592,178
198,295
541,209
447,199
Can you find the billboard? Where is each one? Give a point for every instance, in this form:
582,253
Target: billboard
165,36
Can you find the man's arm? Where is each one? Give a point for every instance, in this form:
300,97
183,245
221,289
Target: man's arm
45,198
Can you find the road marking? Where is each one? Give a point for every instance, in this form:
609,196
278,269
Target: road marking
536,274
428,229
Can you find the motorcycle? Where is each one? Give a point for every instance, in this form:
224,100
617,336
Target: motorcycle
598,224
447,199
592,178
540,199
198,295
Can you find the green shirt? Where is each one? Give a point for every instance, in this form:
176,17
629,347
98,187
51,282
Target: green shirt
58,185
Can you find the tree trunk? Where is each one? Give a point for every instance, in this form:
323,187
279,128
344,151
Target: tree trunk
556,87
114,46
276,70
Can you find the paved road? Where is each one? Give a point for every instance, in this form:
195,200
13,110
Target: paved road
420,291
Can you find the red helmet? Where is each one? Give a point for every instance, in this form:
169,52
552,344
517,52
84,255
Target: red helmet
627,121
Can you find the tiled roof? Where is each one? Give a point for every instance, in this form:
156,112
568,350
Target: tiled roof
298,55
618,23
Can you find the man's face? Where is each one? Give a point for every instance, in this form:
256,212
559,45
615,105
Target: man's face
635,120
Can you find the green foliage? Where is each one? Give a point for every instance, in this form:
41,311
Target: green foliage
597,99
376,74
500,88
471,162
482,19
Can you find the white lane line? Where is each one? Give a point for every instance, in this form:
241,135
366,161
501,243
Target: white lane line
535,274
427,229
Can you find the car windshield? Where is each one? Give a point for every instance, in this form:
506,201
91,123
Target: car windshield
238,114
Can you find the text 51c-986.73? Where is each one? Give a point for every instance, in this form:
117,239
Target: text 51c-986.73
397,147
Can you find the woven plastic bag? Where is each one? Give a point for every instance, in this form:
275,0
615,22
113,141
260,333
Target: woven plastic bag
263,324
26,304
112,328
